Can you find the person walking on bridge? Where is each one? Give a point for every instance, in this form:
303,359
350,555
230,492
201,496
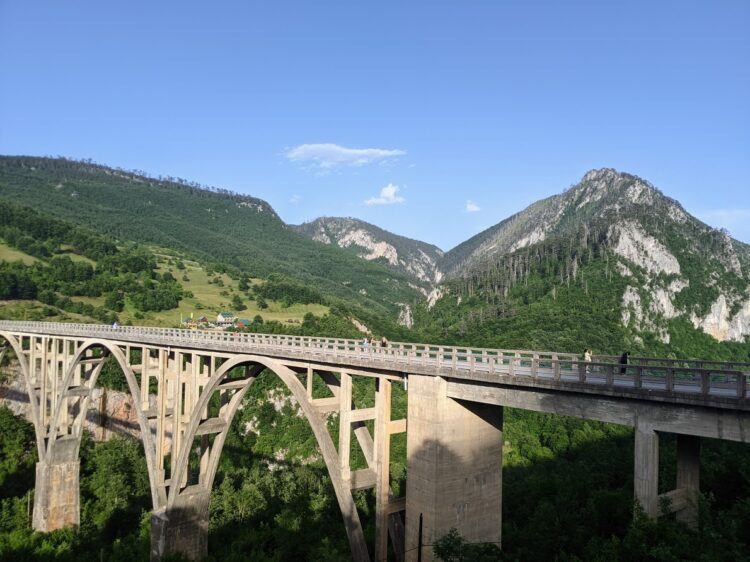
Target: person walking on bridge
587,358
624,360
383,342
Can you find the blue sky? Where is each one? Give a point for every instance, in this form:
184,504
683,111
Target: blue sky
431,119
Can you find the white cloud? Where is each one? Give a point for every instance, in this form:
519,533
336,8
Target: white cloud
388,196
294,199
327,156
472,207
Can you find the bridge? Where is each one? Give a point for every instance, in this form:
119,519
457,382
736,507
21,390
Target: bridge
454,422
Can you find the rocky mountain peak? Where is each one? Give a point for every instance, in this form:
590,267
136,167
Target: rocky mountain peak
416,259
601,174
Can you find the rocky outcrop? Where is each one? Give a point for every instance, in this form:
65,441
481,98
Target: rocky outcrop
405,317
413,258
635,245
722,324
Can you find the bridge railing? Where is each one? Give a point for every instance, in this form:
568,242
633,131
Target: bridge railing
681,363
653,374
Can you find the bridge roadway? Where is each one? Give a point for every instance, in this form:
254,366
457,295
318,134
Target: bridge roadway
456,397
715,383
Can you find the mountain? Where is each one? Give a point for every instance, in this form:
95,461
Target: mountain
603,195
210,225
407,256
612,261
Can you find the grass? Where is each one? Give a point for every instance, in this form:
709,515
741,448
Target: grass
208,298
10,254
37,311
68,251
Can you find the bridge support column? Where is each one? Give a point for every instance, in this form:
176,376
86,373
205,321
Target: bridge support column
454,464
56,496
181,529
683,500
688,479
646,470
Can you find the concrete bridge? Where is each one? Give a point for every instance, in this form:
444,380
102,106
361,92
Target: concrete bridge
454,423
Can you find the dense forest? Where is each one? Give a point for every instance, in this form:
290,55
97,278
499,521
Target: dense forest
76,262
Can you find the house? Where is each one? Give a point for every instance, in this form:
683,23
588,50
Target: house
243,323
194,323
225,319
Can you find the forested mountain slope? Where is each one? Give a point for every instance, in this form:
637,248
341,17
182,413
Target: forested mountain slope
211,225
405,255
602,196
610,263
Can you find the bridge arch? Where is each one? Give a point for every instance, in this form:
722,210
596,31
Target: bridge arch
317,423
108,349
17,347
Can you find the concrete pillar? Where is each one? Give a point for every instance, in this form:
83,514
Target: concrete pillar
454,467
56,496
646,470
181,529
688,476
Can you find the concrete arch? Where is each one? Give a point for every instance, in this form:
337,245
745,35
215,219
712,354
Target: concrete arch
36,418
113,350
325,443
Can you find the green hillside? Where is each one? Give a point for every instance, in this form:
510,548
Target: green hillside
54,270
214,226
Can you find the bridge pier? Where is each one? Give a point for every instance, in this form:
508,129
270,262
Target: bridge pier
684,498
646,470
183,528
56,496
454,451
688,477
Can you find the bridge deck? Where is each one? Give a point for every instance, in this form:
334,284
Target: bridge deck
709,383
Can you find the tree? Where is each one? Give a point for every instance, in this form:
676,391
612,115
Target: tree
115,300
237,303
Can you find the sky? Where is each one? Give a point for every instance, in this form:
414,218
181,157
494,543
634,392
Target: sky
434,120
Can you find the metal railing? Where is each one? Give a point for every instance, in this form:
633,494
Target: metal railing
708,379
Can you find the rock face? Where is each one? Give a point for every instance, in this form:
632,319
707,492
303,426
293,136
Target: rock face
415,259
643,250
722,324
405,317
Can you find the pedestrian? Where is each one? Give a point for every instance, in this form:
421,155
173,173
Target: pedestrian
383,342
624,360
587,358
